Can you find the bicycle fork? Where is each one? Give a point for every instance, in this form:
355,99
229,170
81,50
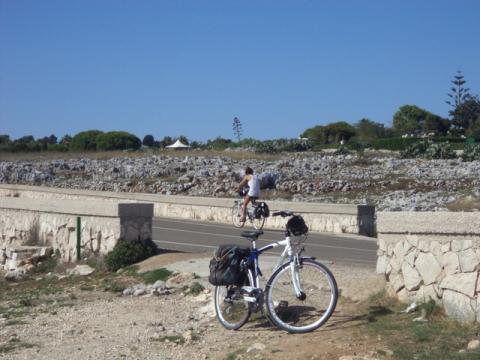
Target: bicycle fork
294,266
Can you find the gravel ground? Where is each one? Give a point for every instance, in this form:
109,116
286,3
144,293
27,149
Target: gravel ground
101,325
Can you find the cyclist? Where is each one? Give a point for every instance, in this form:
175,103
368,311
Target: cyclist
253,190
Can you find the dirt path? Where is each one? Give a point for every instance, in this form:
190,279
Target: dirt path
93,324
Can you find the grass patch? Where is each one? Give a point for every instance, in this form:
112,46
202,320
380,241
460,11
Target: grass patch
177,339
14,344
159,274
195,289
15,322
233,355
438,338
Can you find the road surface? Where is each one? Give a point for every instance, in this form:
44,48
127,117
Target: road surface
201,237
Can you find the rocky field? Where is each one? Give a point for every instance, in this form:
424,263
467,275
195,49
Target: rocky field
390,183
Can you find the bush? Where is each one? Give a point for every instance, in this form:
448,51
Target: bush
85,140
118,140
440,151
57,147
415,150
394,143
428,150
471,152
129,252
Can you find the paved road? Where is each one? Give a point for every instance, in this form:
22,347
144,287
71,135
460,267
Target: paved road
194,236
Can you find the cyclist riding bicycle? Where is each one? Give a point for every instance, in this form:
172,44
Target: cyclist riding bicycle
253,190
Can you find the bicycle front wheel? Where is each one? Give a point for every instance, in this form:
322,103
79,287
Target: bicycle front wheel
237,215
312,307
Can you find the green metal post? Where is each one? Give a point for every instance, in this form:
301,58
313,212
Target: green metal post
79,236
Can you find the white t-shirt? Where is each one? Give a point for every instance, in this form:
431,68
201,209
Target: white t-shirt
254,186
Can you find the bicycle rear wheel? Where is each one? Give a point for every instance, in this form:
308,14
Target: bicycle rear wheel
237,215
230,306
258,222
314,306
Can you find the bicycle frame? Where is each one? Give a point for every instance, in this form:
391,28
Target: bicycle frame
286,253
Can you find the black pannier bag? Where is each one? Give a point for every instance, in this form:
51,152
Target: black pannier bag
262,210
296,226
225,267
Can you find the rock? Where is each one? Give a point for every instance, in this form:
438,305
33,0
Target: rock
473,344
468,260
256,347
81,270
451,265
128,292
159,285
15,275
464,283
411,277
428,267
458,306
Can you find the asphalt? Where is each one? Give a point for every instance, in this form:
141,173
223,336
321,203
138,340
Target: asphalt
201,237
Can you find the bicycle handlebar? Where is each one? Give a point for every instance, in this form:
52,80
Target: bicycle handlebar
283,213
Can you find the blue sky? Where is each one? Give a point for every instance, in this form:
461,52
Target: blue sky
189,67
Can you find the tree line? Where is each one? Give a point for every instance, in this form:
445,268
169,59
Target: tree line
410,120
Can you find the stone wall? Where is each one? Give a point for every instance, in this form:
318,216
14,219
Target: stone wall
335,218
53,223
432,255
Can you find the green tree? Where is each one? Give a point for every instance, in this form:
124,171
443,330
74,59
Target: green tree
65,140
85,140
459,94
118,140
410,119
368,130
339,131
4,139
218,143
467,114
237,128
148,140
167,140
316,133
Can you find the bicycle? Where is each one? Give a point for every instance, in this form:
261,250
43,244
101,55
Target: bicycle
300,295
257,218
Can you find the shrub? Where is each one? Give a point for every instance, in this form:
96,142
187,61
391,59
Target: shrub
129,252
117,140
394,143
471,152
415,150
440,151
85,140
57,147
429,150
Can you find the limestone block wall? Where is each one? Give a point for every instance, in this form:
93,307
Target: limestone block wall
354,219
53,223
432,255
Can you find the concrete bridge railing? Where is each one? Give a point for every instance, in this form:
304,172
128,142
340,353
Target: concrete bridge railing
432,255
334,218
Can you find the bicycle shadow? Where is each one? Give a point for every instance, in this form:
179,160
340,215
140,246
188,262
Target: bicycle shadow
340,319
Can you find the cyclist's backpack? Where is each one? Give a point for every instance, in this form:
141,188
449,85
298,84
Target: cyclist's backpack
262,210
225,267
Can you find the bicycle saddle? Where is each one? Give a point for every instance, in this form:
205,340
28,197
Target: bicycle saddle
252,234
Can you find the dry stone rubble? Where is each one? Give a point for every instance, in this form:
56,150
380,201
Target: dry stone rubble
388,182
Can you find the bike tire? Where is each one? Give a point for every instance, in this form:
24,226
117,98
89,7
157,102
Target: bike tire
232,315
301,315
258,222
236,215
